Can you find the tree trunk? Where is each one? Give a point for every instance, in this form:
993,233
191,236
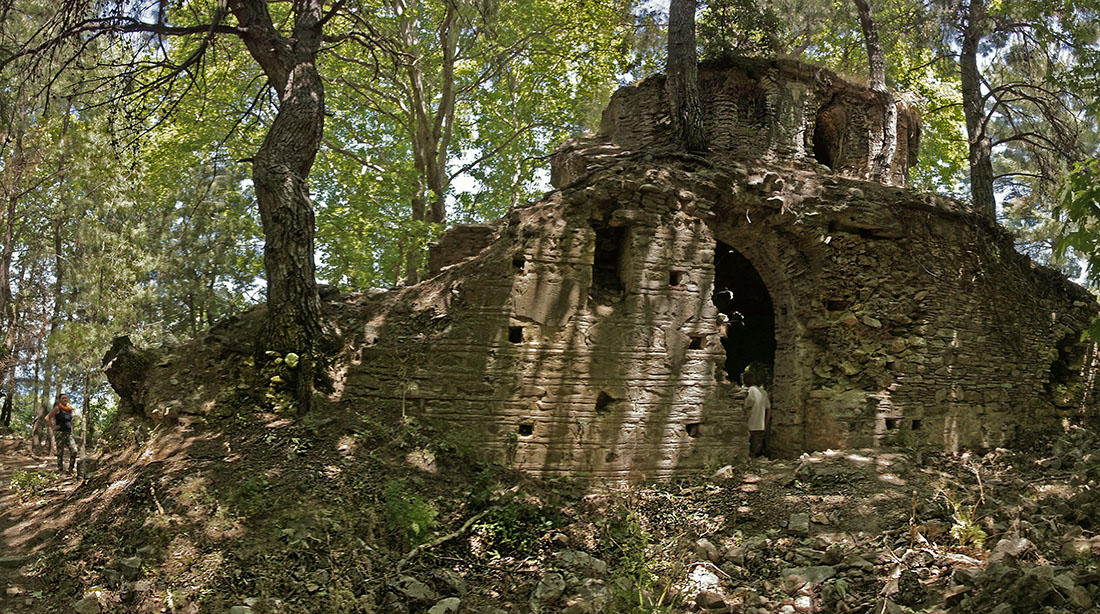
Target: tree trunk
981,149
55,311
58,275
14,334
11,323
12,181
279,172
683,77
432,128
412,247
86,417
882,156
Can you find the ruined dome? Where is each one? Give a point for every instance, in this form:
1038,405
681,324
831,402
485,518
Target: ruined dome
773,111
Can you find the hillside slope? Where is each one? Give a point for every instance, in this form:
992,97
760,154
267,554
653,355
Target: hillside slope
350,510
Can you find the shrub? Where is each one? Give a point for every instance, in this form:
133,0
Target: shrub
408,515
27,484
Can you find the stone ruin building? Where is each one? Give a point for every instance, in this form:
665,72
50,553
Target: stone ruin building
601,331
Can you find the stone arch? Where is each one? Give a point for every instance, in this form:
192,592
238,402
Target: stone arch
743,297
760,249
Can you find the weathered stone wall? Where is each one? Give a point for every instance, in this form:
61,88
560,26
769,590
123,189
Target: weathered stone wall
584,339
772,111
902,319
459,243
580,333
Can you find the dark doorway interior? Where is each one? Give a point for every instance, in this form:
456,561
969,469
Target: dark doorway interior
828,135
740,293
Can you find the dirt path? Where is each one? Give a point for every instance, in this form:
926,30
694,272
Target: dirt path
13,457
19,531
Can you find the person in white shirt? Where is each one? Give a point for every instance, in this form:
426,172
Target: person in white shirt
759,408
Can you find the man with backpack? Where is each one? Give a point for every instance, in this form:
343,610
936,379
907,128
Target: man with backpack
61,421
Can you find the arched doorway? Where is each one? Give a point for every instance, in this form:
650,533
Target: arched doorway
740,294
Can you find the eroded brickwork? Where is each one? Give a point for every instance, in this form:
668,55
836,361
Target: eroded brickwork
772,111
595,332
586,337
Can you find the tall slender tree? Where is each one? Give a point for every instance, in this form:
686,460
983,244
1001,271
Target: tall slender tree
882,155
448,93
683,77
288,59
974,27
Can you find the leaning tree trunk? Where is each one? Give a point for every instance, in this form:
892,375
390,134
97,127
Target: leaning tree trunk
970,81
683,77
882,156
279,172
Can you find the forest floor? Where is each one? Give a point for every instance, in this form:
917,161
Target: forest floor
263,513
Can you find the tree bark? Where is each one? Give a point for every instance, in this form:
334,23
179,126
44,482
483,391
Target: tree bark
13,179
413,256
10,313
5,411
13,338
882,156
981,149
279,173
683,77
86,434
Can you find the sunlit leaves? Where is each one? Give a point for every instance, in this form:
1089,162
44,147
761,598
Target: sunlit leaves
527,75
1079,206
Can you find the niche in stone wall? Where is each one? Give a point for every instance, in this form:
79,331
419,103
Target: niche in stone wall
828,140
607,262
605,403
740,293
1063,383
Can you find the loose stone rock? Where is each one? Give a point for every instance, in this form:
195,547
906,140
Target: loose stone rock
706,550
549,589
582,563
446,606
592,598
131,566
799,524
415,589
710,600
87,605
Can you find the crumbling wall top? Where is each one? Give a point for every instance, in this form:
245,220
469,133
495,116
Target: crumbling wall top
777,111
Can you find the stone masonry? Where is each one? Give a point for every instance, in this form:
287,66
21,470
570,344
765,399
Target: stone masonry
898,318
601,331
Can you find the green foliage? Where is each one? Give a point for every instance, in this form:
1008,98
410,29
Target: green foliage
1079,209
152,237
121,430
965,530
739,27
514,527
250,494
642,580
457,445
26,484
532,73
408,515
